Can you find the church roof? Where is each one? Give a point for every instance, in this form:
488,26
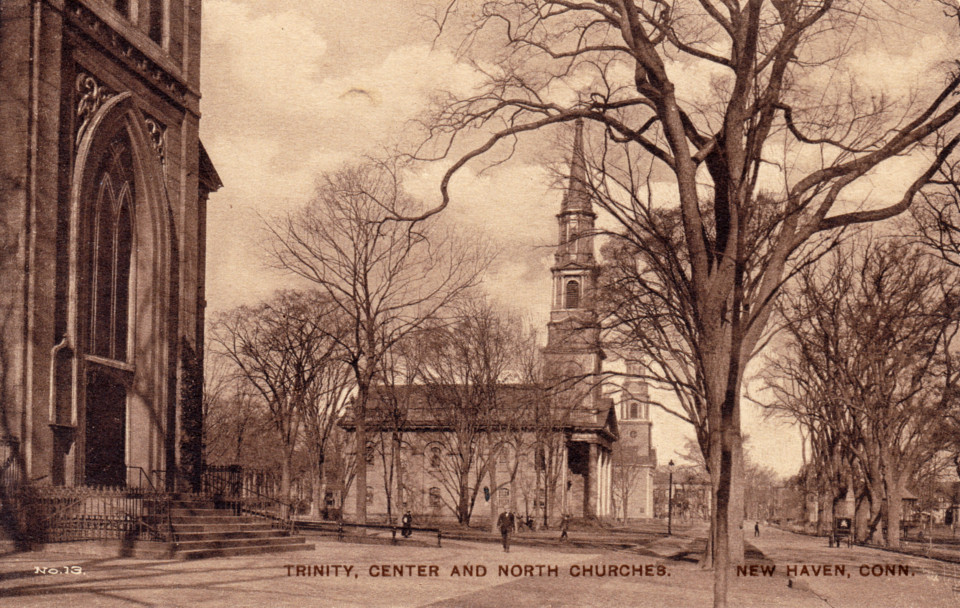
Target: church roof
521,406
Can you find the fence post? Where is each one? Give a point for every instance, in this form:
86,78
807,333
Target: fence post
439,537
393,532
340,531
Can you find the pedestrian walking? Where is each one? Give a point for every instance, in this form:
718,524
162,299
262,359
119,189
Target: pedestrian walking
407,525
564,526
505,522
756,529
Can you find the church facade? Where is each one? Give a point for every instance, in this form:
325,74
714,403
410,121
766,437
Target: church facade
104,186
557,454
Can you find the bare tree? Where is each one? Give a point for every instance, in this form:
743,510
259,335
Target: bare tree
232,413
463,379
322,409
617,58
284,349
651,318
400,369
626,475
875,330
385,276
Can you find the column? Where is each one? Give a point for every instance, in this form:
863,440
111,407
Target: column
590,485
602,486
606,484
564,465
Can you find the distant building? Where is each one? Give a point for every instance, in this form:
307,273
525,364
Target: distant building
634,458
582,425
691,492
104,186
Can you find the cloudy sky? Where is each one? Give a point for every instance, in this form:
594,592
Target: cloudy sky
292,89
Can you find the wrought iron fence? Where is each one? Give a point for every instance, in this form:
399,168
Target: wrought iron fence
9,462
248,492
240,490
72,513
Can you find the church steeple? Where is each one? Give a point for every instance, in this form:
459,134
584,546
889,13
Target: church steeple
575,267
576,197
573,331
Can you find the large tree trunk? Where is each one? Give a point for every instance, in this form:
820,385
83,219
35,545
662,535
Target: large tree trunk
893,483
286,466
396,447
360,479
494,494
316,492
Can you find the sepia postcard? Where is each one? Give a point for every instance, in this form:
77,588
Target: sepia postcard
479,303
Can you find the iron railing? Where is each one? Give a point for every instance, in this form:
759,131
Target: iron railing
9,462
242,491
72,513
138,511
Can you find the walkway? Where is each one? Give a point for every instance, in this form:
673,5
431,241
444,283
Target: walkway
642,575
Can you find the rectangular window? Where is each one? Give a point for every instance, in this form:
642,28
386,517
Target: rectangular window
156,21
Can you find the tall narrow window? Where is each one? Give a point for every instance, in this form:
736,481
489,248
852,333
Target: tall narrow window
108,261
573,294
110,258
156,21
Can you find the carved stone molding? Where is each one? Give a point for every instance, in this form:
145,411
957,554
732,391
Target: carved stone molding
129,54
158,133
90,96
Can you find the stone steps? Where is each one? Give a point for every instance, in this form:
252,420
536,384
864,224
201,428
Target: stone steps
233,551
229,543
203,531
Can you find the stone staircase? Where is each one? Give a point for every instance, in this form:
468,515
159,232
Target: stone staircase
203,531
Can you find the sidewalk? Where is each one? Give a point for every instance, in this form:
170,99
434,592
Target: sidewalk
645,576
869,577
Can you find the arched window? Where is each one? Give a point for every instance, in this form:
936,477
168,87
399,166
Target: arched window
634,410
573,294
112,241
435,501
435,457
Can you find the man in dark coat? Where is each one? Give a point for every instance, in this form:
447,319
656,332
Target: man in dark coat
407,525
506,522
564,526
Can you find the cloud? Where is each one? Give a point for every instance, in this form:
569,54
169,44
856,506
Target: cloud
273,58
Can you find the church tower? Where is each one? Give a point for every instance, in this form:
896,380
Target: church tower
635,458
573,333
103,176
573,356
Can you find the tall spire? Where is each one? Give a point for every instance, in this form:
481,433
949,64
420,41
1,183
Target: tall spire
577,196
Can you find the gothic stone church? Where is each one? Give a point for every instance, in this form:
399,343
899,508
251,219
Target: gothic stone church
104,185
592,422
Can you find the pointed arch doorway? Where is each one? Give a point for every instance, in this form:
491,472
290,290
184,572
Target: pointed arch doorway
119,311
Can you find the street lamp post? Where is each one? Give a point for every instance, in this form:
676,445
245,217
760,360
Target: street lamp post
670,502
